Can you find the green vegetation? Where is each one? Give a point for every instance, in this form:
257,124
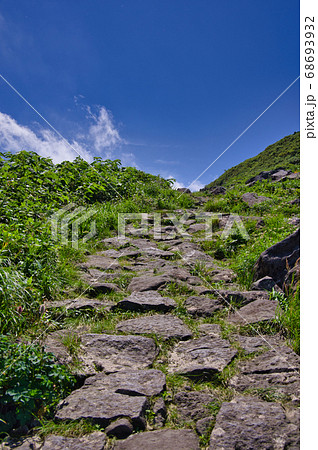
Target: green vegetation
31,383
36,268
284,153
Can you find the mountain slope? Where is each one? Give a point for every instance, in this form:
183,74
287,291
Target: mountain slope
284,153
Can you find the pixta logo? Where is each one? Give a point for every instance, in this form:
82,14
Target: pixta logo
152,224
66,224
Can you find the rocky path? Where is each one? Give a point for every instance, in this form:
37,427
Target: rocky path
176,359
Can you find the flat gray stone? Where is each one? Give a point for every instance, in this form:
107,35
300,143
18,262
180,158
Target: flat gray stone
196,227
198,356
101,262
202,306
257,311
80,303
148,283
96,441
248,423
275,370
251,344
160,440
101,406
226,275
193,405
146,301
133,382
167,326
112,353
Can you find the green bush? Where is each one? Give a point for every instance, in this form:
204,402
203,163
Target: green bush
31,384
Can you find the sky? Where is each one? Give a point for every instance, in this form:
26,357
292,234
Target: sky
163,85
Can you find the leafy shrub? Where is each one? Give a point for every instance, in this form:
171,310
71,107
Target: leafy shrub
31,384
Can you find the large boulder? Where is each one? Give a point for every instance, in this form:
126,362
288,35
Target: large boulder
253,199
277,260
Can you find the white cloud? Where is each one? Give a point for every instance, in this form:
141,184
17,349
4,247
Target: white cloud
101,138
196,186
102,133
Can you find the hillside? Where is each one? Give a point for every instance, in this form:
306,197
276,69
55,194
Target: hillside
283,153
111,342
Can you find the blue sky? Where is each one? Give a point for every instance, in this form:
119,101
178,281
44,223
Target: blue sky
163,85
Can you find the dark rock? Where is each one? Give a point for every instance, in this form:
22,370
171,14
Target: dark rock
199,356
96,441
184,190
146,301
253,199
260,177
112,353
96,288
202,306
132,382
248,423
193,405
101,407
280,175
274,175
160,440
240,298
148,283
160,412
120,428
217,190
274,261
167,326
256,311
203,426
265,284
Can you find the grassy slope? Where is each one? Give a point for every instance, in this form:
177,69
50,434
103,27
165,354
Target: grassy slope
284,153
